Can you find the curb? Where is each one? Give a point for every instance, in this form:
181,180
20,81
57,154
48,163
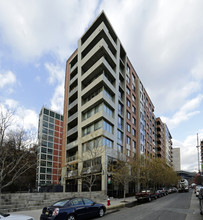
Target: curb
122,205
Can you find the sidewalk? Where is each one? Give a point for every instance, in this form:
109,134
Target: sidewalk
194,210
118,203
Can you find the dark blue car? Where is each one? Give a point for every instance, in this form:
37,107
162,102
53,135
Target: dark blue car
73,209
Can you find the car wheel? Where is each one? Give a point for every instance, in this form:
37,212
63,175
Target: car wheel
101,212
71,217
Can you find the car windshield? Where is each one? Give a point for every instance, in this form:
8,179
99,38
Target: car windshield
61,202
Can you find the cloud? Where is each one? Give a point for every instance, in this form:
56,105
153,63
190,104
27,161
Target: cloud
25,118
7,79
56,73
57,78
185,112
189,152
38,33
163,40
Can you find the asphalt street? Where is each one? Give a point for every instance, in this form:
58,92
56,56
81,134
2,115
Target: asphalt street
172,207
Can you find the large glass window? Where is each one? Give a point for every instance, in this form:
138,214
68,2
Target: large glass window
119,137
45,118
120,109
119,148
107,142
107,127
120,122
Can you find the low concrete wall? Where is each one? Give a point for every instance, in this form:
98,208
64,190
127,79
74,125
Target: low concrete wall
27,201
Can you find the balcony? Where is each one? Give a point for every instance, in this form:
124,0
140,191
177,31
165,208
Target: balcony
72,145
73,130
99,50
93,169
72,158
72,104
72,173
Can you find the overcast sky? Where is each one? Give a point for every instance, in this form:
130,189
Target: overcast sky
163,40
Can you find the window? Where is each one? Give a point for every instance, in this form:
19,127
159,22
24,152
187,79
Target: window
57,116
45,117
50,145
119,122
107,142
128,115
45,124
133,87
51,120
119,148
97,125
128,90
120,109
108,94
87,201
107,127
119,137
128,140
51,126
134,144
128,128
133,78
134,109
128,102
76,202
134,132
108,110
52,114
128,69
133,98
46,111
134,120
128,78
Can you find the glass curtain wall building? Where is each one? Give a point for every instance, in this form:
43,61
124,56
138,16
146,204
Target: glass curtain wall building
50,129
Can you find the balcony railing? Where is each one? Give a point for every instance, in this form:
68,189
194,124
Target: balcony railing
72,158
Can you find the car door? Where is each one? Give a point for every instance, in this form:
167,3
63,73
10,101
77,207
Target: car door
92,210
79,207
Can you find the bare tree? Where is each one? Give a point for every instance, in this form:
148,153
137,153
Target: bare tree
92,162
15,156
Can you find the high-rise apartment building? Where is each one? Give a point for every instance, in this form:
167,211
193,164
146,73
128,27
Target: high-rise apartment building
105,105
50,130
163,141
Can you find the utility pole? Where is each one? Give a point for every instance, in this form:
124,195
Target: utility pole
198,154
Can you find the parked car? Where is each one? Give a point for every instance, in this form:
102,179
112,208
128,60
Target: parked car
146,195
200,196
163,192
159,193
6,216
73,208
198,187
